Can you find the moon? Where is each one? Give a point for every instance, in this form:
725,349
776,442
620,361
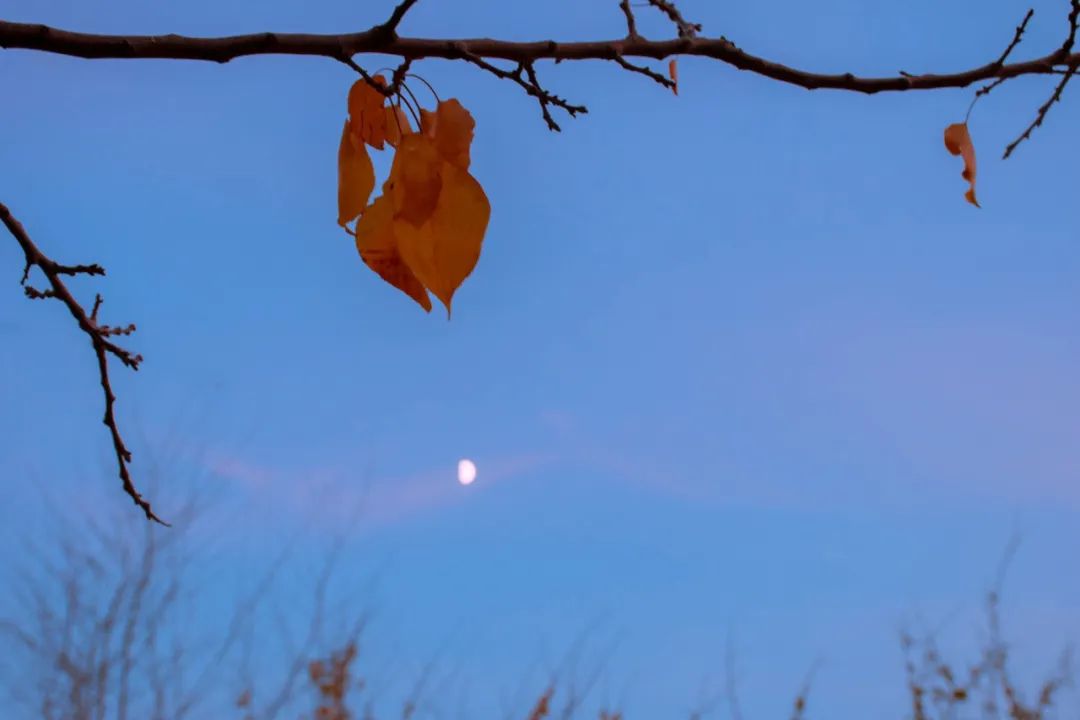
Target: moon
466,471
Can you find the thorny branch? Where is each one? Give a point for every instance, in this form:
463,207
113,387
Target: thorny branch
99,336
383,39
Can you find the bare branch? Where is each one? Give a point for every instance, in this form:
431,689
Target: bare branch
99,338
642,70
525,76
1074,21
731,685
631,21
223,49
1041,114
1017,37
1071,65
685,29
390,26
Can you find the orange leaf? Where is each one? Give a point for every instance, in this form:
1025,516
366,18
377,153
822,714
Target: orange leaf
366,114
415,179
958,142
378,248
425,232
428,122
443,251
454,132
397,124
356,176
673,73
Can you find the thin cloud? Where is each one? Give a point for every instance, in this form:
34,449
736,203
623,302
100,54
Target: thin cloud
337,496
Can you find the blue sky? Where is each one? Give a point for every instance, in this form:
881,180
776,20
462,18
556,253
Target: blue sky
738,364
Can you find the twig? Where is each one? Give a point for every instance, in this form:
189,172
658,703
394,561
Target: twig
1074,22
798,710
642,70
391,25
1064,57
1017,36
525,76
686,29
730,688
99,338
631,21
1041,114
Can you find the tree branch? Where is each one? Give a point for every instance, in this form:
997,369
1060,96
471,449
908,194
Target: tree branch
685,29
99,337
223,49
631,21
525,76
390,26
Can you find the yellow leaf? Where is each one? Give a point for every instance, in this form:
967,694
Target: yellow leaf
443,251
453,132
415,179
356,177
378,248
958,142
673,73
397,124
366,114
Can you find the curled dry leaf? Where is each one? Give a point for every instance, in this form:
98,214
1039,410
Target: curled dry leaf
673,73
356,176
958,142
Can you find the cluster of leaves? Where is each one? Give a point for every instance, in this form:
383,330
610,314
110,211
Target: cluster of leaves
425,231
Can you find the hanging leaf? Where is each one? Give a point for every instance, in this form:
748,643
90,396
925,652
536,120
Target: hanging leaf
453,132
366,114
425,232
958,142
673,73
415,179
443,251
356,177
378,248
